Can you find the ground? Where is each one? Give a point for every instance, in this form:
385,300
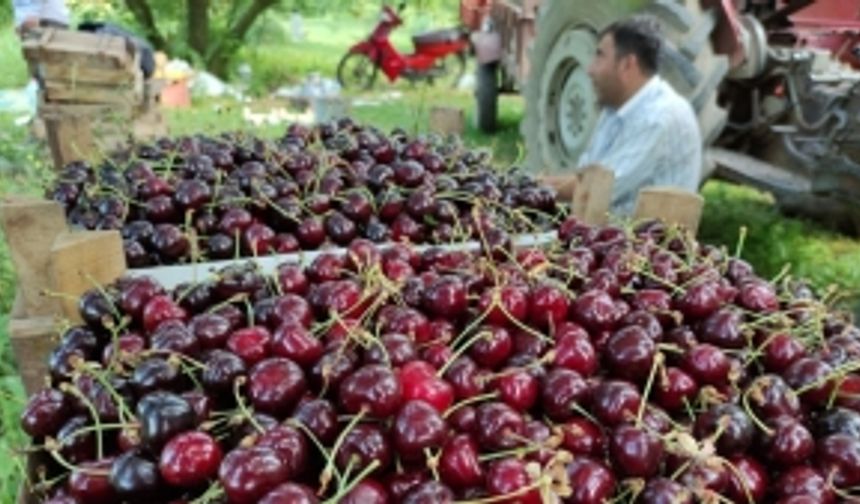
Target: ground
773,241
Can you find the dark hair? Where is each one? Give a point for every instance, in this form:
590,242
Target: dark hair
639,36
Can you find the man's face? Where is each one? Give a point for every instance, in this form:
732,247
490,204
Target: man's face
605,71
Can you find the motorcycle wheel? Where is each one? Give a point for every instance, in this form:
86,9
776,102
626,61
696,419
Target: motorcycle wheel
356,71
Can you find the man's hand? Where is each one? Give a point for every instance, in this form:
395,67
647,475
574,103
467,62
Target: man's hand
29,24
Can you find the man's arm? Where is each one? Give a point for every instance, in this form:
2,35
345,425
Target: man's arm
635,158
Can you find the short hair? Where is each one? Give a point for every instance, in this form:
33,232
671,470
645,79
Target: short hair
640,36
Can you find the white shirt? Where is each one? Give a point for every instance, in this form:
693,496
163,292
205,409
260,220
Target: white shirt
52,10
652,140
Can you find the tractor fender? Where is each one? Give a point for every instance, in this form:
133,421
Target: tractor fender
487,45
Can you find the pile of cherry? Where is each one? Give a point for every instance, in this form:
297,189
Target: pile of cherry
621,365
202,198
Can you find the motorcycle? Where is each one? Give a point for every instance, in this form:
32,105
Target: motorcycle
438,55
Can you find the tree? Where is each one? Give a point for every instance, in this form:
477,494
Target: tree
210,33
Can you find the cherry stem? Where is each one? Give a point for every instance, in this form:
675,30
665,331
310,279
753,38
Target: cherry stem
358,479
742,238
325,474
243,408
655,366
66,387
745,400
461,350
468,401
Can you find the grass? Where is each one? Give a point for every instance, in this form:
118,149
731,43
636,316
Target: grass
773,240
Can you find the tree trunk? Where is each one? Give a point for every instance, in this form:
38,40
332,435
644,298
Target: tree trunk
142,13
198,25
218,56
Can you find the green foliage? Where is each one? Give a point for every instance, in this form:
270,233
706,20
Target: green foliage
15,74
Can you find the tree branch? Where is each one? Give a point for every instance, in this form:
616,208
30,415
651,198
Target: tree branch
144,16
246,20
198,25
219,53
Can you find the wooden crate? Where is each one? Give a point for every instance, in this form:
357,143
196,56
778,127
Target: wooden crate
94,51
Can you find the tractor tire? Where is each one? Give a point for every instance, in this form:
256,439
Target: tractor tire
487,96
561,105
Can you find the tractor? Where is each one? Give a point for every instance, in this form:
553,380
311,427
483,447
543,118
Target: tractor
775,85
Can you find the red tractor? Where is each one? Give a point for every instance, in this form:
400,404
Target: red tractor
775,84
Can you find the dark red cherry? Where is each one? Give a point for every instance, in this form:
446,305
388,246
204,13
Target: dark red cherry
373,387
590,480
635,452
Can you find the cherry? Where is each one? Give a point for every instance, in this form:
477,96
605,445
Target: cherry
614,402
591,481
838,421
499,426
492,348
630,353
503,303
368,491
136,294
595,310
75,446
736,430
635,452
548,307
573,349
393,349
290,493
508,477
170,242
290,444
665,491
465,377
789,443
707,364
417,427
90,483
162,415
723,329
748,481
675,389
848,393
45,413
320,417
174,336
583,437
251,344
418,380
222,369
292,279
135,478
275,385
362,445
159,309
700,300
814,375
758,296
311,233
430,492
518,389
459,465
401,484
561,390
332,368
160,209
235,220
327,267
804,481
210,329
707,476
190,459
838,456
374,387
248,474
293,341
446,297
155,373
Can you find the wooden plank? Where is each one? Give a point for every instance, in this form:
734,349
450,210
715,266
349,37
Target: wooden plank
592,195
75,72
82,260
97,50
672,205
32,341
31,226
57,91
70,139
447,120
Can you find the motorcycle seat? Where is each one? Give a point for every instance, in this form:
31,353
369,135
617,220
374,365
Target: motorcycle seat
438,36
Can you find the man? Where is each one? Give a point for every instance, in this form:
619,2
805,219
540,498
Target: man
30,14
647,133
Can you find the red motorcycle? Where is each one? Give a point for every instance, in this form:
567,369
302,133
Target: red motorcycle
439,55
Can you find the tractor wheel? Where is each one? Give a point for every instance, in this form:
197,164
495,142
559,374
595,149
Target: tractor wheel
561,105
487,96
